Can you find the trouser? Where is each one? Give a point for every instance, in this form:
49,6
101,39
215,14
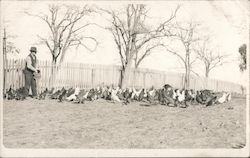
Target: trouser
30,81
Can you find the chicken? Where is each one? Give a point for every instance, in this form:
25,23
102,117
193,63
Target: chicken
180,98
211,101
86,95
160,95
222,99
42,96
92,95
193,94
10,94
188,97
120,93
56,94
201,97
127,95
51,91
145,93
70,92
151,92
80,97
73,96
142,95
62,95
98,92
20,94
229,97
106,94
174,96
152,95
135,94
114,97
181,95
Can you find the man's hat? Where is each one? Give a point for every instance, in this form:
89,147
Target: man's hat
33,49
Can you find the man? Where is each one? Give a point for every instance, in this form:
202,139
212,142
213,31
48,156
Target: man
29,71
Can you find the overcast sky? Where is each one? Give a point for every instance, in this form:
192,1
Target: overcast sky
225,21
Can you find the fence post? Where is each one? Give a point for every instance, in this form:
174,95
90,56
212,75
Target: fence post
18,73
45,75
217,86
182,81
12,73
194,81
92,77
144,79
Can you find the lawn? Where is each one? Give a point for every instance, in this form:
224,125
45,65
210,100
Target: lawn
102,124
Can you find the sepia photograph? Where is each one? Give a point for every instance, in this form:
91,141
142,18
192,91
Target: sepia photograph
124,78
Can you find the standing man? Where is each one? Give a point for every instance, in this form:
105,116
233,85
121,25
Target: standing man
30,69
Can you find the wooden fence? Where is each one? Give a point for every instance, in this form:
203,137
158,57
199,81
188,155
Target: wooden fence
87,76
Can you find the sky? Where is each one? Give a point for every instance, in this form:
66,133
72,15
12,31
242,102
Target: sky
225,21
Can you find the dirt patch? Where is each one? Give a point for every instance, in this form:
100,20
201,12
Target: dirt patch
100,124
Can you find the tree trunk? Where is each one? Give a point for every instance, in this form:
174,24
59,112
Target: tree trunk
185,77
189,69
53,73
121,79
188,77
126,75
207,73
207,69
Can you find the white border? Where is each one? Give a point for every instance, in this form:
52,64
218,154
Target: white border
244,152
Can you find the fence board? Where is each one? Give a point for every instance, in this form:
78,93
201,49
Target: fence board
90,75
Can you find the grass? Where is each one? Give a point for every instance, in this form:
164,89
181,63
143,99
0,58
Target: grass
100,124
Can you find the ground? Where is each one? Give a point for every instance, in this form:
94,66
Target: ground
101,124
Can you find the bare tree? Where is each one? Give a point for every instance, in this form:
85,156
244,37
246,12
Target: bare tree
66,30
187,35
209,57
134,40
8,48
9,45
243,57
141,55
11,48
4,59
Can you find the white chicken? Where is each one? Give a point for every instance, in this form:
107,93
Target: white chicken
174,95
145,93
86,95
152,92
73,96
118,90
114,97
135,93
229,97
181,95
223,98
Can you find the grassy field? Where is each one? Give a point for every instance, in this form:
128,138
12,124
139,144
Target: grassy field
101,124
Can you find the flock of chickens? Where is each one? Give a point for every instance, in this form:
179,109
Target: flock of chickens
166,95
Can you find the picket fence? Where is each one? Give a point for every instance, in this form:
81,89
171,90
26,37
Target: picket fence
89,75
